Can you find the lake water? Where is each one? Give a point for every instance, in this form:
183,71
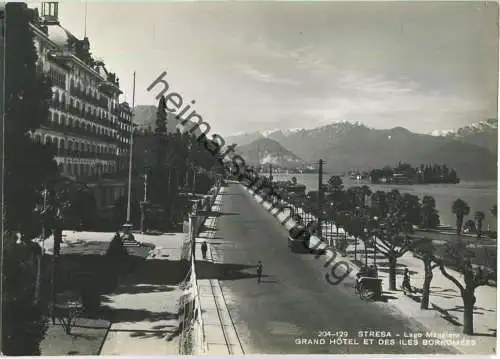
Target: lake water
480,196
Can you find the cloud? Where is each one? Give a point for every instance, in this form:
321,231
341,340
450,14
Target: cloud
266,77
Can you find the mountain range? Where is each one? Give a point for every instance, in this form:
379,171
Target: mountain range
482,133
471,150
268,151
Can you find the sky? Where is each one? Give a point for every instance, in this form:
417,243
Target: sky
280,65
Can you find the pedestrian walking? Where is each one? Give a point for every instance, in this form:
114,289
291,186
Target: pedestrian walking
259,271
204,249
406,281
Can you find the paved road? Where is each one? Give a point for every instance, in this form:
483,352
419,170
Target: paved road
294,302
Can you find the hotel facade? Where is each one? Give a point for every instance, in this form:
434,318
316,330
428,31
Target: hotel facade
88,124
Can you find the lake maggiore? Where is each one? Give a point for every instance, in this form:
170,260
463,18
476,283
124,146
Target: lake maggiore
480,195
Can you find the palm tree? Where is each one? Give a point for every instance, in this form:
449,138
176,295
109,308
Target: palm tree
461,209
479,218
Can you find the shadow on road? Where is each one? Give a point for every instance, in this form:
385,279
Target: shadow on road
125,315
219,214
223,271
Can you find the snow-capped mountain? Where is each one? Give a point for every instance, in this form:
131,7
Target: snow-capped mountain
345,146
482,133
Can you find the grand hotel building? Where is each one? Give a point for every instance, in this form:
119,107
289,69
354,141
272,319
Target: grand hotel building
88,125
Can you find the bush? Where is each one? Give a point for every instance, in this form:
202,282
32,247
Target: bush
24,323
90,291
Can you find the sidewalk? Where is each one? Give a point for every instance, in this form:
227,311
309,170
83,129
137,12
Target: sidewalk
220,334
144,308
445,314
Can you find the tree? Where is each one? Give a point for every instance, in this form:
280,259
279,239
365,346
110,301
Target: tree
460,257
461,209
479,218
24,323
161,117
27,164
430,216
426,251
394,230
366,192
379,204
335,182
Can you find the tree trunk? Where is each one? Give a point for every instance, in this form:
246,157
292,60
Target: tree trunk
355,248
469,301
459,224
424,304
392,272
38,277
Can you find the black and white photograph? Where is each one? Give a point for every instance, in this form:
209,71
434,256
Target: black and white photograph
232,178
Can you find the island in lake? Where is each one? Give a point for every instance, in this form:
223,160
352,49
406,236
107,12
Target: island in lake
406,174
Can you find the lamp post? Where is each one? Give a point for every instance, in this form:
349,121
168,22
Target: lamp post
145,201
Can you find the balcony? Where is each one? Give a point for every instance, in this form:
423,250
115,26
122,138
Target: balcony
58,80
74,153
80,132
101,102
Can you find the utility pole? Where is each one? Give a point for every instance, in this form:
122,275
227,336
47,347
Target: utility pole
320,197
130,156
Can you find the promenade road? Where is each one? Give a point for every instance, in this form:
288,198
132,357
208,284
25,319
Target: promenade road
295,302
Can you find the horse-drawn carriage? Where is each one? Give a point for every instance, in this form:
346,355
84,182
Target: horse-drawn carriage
368,285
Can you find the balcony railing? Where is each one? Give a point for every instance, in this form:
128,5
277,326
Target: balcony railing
101,102
65,152
58,81
81,132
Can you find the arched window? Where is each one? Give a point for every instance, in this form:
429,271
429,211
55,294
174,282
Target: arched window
56,118
62,120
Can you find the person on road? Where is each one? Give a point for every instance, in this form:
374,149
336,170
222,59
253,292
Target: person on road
259,271
204,249
406,281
